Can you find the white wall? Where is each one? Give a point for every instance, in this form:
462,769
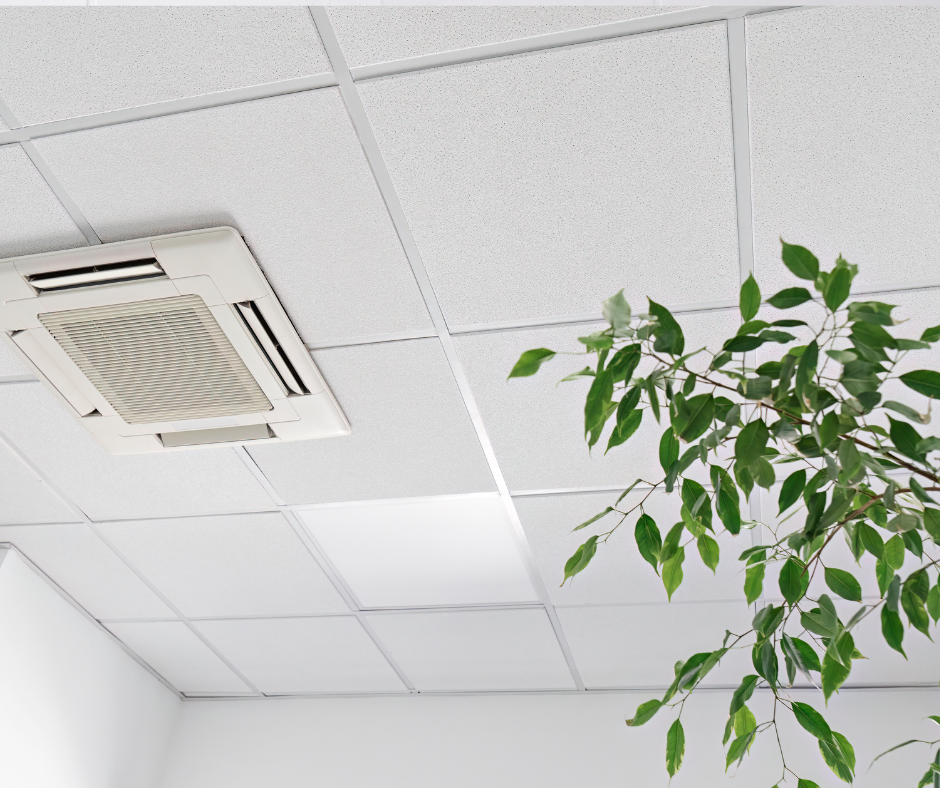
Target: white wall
518,741
75,710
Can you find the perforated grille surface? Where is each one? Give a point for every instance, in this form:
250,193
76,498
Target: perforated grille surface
161,360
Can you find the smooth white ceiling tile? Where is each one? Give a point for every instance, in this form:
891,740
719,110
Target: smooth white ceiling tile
64,63
285,655
475,650
537,426
537,185
287,172
637,645
451,551
105,486
844,134
244,565
617,573
25,499
31,217
176,653
370,34
87,570
411,435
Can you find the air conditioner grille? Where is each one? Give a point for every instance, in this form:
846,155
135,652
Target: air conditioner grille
160,360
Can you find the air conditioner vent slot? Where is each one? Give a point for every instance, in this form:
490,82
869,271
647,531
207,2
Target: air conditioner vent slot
97,275
249,432
157,361
267,341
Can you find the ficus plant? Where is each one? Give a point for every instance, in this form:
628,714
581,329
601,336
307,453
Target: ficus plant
853,465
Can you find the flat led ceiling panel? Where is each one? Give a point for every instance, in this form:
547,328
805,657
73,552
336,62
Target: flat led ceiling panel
457,550
164,343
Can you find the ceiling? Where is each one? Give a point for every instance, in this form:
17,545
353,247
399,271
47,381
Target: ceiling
431,191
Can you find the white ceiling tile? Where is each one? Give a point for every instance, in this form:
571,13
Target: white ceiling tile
370,34
67,63
411,435
450,551
537,426
245,565
176,653
617,573
287,172
10,363
87,570
289,655
537,185
637,645
475,650
25,498
31,217
844,134
105,486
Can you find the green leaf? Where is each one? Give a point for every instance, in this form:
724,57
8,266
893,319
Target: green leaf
932,523
806,367
790,491
790,297
744,721
918,489
743,693
905,410
581,558
931,334
628,419
739,748
755,388
923,381
594,519
802,653
672,572
893,629
671,542
750,298
648,540
727,499
839,756
668,449
644,713
530,361
905,438
893,594
806,784
616,311
653,397
811,720
751,442
667,329
844,584
766,662
708,549
801,261
871,540
884,574
837,288
833,675
587,372
696,417
933,606
695,500
742,344
675,748
624,363
829,429
793,580
894,552
596,407
754,581
915,608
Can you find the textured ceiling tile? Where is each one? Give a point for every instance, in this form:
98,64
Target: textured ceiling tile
287,172
289,655
374,35
475,650
24,498
618,574
538,185
444,551
247,565
10,363
31,217
537,426
87,570
176,653
411,435
105,486
844,135
61,63
637,645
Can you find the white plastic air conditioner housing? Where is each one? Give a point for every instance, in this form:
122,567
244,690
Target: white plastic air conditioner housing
166,343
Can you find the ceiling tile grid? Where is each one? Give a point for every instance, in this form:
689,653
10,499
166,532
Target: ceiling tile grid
535,185
522,209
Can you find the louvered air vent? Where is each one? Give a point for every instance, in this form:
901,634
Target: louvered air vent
166,343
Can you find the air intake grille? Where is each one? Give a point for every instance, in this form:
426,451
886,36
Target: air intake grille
161,360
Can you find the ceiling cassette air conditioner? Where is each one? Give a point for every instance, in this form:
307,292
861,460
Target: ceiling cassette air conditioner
166,343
